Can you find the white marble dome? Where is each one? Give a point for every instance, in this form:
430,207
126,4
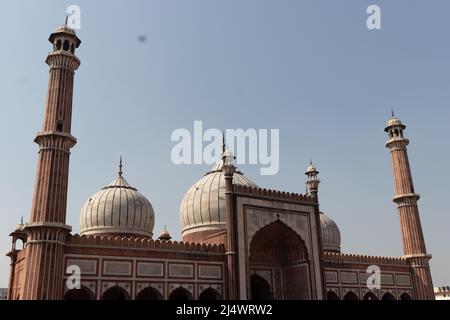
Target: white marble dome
331,236
203,206
117,209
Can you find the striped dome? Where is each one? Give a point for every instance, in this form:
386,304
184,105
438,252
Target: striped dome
203,205
117,209
331,236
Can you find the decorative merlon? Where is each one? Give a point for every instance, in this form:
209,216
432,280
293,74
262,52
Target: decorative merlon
282,195
359,258
144,242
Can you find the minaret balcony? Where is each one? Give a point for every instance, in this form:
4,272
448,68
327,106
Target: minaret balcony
55,140
397,143
408,199
63,60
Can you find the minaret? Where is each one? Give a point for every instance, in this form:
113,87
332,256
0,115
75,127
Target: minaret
406,200
231,241
312,182
312,187
47,230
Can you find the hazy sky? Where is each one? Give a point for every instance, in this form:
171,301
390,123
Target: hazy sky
309,68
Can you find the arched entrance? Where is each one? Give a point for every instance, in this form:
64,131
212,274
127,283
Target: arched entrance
180,294
331,295
405,296
210,294
280,254
149,293
79,294
351,296
260,288
370,296
388,296
115,293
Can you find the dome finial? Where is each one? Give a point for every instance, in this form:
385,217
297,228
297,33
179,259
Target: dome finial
165,235
120,167
392,113
223,142
67,20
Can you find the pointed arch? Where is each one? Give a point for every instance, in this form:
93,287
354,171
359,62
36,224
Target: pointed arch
115,293
260,288
287,243
351,296
388,296
279,250
149,293
180,294
370,296
405,296
79,294
331,295
210,294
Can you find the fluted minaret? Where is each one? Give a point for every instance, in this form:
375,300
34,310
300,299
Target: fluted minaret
231,241
312,188
406,200
47,230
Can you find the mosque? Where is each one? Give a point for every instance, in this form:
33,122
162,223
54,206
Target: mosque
240,241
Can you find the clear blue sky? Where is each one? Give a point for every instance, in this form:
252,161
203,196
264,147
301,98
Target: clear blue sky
310,68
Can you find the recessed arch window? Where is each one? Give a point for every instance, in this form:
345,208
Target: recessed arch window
351,296
331,295
115,293
396,132
210,294
406,296
59,126
66,45
149,293
370,296
79,294
180,294
388,296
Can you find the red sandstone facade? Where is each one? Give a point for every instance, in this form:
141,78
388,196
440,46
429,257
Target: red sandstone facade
271,248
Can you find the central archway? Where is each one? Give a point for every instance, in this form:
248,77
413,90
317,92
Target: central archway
280,254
